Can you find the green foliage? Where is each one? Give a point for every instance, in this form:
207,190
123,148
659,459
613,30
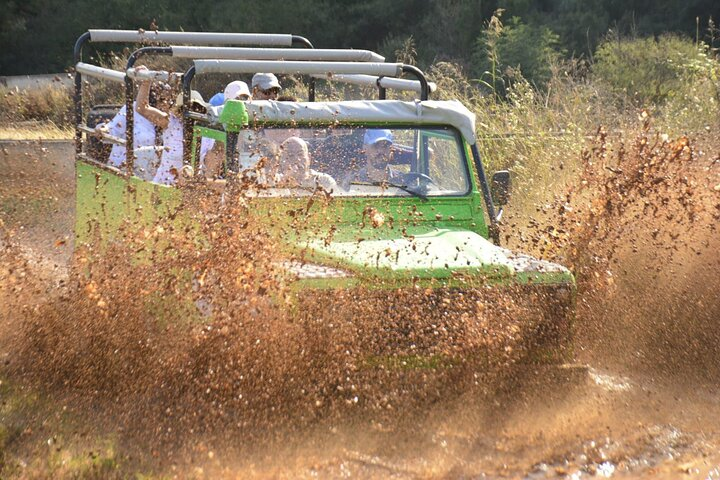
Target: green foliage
398,49
655,71
36,36
506,51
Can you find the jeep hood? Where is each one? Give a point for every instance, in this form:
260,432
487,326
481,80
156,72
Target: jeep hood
441,253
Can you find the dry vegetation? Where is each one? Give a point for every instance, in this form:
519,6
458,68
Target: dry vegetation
626,196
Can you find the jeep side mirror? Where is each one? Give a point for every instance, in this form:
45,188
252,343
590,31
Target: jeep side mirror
500,187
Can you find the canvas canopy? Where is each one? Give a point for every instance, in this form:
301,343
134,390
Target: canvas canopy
428,112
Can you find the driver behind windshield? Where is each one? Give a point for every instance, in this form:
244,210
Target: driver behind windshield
294,168
377,145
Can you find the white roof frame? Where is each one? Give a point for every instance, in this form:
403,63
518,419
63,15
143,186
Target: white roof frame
196,38
244,53
428,112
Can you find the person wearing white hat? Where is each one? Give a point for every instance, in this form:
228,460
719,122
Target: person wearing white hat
377,144
265,86
212,154
168,117
237,90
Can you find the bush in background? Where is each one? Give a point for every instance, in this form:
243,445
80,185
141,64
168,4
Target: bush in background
504,52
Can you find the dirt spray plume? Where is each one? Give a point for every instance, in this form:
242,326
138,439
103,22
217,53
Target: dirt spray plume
639,229
188,327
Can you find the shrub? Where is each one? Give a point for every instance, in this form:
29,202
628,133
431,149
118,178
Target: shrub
676,77
652,70
505,51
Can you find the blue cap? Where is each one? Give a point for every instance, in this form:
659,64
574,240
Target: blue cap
217,99
376,135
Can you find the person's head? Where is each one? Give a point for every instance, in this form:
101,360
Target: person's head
237,90
217,99
378,150
265,86
197,104
294,158
162,96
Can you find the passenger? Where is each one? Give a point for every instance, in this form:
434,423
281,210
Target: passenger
212,154
166,115
265,86
217,99
294,168
377,144
237,90
144,133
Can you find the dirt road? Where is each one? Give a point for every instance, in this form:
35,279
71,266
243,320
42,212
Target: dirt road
623,419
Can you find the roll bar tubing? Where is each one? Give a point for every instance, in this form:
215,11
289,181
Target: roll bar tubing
205,38
242,53
295,67
381,82
311,68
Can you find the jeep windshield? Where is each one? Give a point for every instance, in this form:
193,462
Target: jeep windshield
351,161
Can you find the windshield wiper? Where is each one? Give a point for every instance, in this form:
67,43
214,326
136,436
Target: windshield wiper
404,188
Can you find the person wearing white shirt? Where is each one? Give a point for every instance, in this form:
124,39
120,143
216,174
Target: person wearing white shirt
236,90
143,138
294,168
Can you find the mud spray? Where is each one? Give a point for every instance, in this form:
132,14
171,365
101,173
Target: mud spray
184,350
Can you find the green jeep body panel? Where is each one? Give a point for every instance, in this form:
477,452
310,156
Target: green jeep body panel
444,238
438,244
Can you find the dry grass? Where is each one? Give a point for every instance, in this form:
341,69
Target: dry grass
35,131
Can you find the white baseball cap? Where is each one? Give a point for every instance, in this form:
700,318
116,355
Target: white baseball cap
265,81
234,89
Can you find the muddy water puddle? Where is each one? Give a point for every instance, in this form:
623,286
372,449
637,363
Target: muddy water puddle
647,406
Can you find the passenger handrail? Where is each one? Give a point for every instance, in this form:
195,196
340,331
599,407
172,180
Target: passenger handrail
154,75
103,135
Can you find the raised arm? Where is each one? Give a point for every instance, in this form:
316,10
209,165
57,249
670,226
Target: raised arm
143,107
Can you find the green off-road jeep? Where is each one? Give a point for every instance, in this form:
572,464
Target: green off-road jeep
407,206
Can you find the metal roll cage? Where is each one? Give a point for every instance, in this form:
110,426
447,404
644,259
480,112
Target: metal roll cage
129,36
318,63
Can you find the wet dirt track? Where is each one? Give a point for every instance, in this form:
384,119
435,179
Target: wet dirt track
623,418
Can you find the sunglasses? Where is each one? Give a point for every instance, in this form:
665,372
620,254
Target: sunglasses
271,91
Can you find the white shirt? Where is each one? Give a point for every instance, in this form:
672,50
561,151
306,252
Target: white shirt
206,144
172,156
143,134
313,180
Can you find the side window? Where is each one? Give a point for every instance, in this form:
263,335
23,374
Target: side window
208,151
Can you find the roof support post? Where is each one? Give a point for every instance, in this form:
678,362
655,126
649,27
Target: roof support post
306,43
77,57
424,88
493,227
